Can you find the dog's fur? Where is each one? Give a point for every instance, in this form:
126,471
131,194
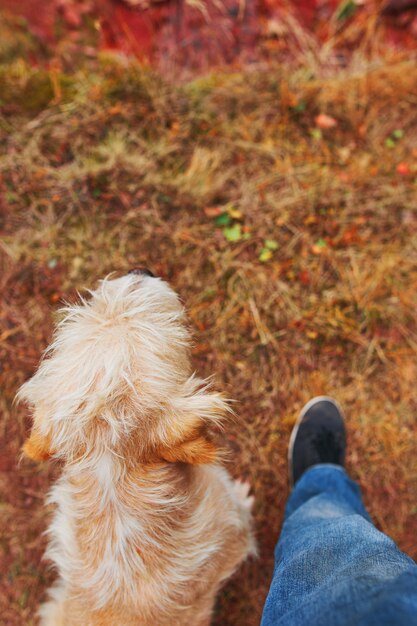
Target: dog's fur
147,524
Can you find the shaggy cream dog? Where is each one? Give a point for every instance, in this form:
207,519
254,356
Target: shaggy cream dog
147,524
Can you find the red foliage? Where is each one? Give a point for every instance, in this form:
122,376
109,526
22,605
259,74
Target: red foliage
224,32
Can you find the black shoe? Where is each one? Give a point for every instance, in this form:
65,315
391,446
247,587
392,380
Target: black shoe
319,436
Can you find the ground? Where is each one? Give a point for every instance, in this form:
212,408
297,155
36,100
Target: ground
280,202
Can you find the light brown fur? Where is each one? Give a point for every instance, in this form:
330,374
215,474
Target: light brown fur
148,524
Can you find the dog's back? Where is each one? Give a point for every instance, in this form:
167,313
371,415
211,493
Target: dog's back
147,525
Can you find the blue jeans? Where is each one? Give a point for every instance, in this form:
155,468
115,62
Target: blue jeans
332,566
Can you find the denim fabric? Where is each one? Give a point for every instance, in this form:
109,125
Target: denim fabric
332,566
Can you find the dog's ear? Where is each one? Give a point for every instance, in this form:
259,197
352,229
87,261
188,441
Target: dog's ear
37,447
188,438
195,451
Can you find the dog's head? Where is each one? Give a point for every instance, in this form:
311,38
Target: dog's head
117,377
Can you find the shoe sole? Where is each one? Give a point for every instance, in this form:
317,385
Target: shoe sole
300,418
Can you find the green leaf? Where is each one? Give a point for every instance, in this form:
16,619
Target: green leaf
233,233
346,9
389,143
398,133
208,293
300,106
23,598
265,255
271,244
320,243
223,219
316,133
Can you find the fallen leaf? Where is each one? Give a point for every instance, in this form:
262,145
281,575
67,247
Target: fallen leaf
325,121
300,106
350,235
115,109
362,130
271,244
233,233
316,133
304,277
235,213
403,169
175,127
265,255
213,211
311,219
223,220
319,247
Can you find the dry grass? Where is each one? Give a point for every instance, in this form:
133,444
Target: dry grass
127,169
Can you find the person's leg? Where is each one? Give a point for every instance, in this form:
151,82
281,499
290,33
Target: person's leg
332,566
